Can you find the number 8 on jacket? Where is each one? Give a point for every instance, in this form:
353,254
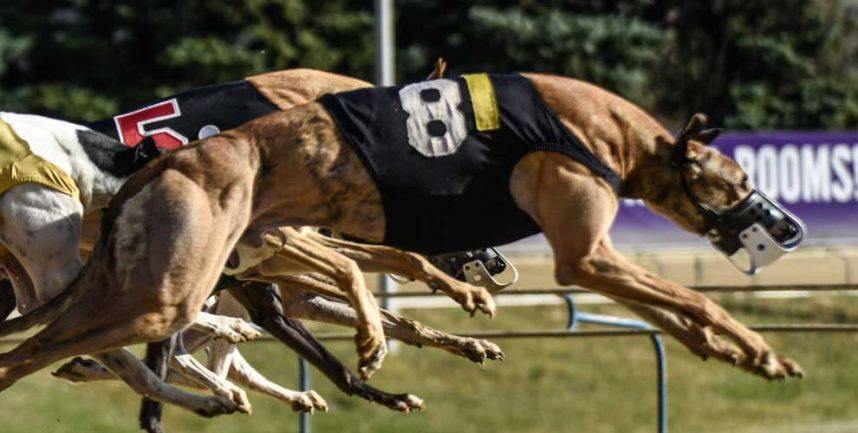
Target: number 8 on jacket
435,126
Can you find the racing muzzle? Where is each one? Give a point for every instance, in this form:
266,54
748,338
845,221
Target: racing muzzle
755,232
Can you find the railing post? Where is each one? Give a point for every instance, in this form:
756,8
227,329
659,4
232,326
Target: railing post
304,379
661,360
572,320
661,366
385,53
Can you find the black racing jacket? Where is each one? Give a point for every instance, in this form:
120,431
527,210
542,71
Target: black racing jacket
442,152
179,119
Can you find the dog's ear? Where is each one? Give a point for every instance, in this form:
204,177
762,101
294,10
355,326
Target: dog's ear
692,130
707,136
440,69
147,149
695,125
144,152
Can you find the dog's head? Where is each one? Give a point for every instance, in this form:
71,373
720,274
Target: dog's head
713,197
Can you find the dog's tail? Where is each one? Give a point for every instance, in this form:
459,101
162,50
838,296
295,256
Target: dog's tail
46,312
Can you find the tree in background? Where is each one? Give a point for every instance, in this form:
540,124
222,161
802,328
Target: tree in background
766,63
751,64
86,59
618,51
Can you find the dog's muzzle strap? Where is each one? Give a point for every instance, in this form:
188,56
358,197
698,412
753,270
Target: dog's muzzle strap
757,232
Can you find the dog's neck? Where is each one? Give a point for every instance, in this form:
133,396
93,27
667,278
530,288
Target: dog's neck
620,134
648,175
97,167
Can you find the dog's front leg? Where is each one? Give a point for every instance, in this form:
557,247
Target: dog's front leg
607,272
244,373
379,258
304,305
82,370
312,257
189,367
157,359
698,339
232,329
266,310
143,381
575,209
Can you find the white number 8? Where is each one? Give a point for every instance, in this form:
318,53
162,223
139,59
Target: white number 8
436,126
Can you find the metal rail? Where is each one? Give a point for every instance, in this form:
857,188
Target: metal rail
564,333
706,289
628,327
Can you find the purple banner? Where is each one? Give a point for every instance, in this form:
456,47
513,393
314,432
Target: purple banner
814,174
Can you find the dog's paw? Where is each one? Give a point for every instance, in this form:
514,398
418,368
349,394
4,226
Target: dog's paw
237,330
761,362
78,370
477,350
774,367
484,302
309,401
237,396
405,403
704,343
473,299
372,348
216,405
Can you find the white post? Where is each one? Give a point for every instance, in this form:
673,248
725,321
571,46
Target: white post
385,69
385,75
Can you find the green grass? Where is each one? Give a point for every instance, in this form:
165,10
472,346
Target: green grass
546,385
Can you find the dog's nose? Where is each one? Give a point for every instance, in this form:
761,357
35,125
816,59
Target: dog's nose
784,230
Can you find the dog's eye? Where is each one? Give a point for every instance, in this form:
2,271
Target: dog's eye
742,183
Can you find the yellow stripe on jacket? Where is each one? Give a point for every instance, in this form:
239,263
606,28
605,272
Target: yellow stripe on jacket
19,165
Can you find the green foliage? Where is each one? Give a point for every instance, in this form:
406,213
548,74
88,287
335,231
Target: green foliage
85,59
763,64
750,64
613,51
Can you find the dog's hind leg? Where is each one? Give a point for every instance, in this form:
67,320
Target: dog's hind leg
79,331
80,370
266,309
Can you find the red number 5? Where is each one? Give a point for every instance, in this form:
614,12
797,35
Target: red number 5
131,125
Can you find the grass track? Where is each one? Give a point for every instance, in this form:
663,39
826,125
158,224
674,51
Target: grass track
548,385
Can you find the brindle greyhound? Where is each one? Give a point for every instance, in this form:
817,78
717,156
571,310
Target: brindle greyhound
296,168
